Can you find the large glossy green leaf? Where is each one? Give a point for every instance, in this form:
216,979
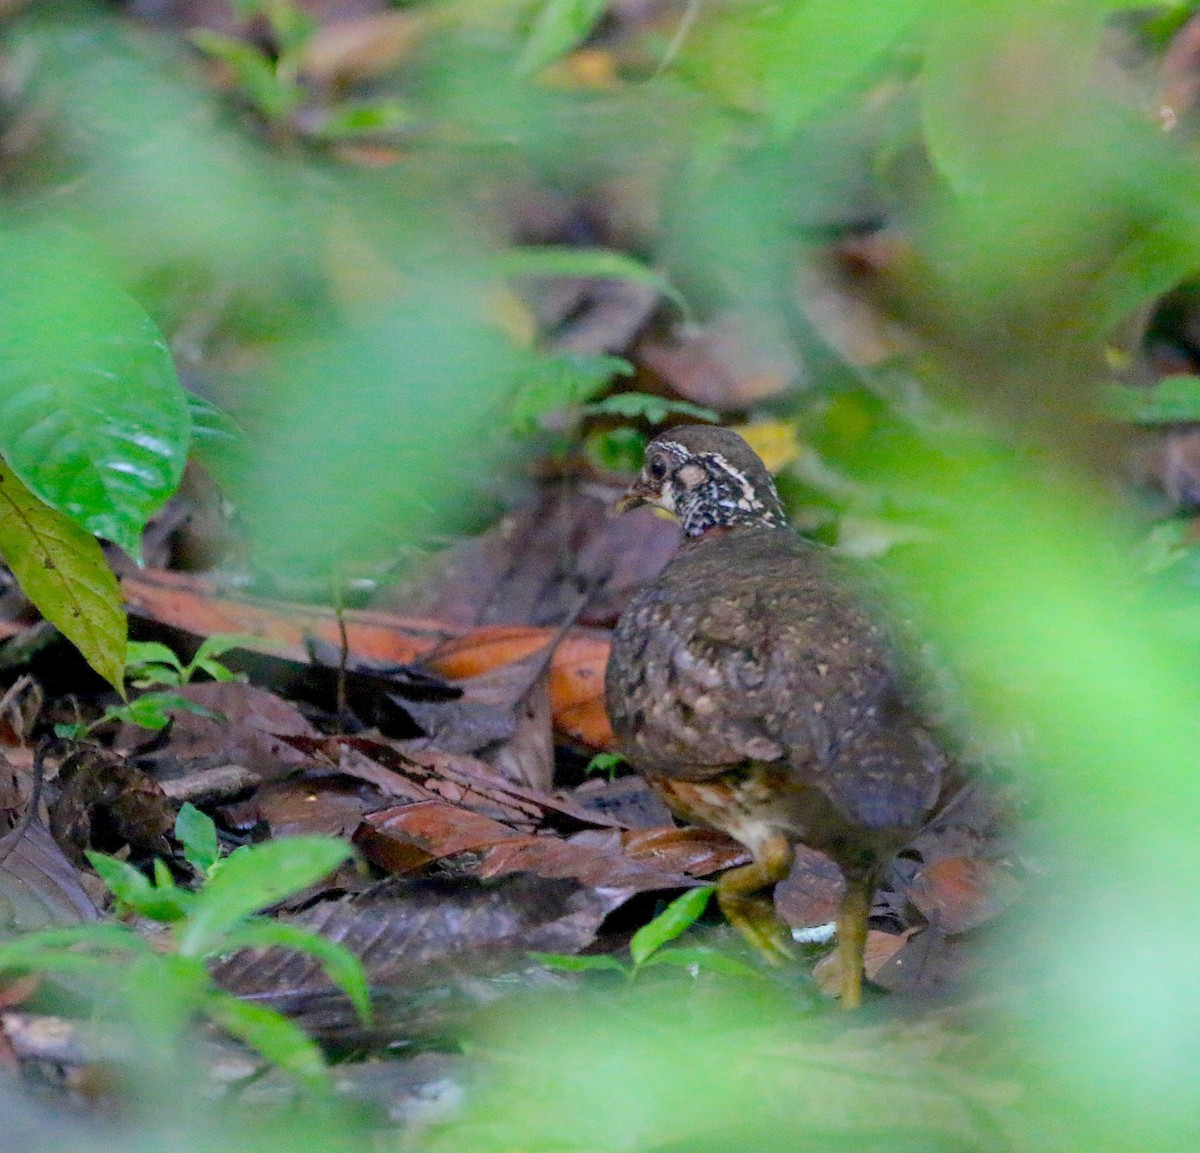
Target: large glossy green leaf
62,570
92,417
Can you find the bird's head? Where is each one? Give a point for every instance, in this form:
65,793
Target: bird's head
708,477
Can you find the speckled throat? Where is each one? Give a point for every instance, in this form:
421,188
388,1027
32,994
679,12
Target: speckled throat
725,497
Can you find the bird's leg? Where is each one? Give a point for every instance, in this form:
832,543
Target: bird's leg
852,932
749,910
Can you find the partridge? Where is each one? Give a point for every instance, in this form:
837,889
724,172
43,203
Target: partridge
756,688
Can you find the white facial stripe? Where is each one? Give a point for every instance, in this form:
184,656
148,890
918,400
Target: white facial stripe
747,501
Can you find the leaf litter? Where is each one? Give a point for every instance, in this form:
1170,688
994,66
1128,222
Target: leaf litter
451,748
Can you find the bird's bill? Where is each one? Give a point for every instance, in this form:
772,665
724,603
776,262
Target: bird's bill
635,497
639,494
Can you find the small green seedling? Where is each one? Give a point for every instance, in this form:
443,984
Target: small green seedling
271,81
149,663
149,711
646,946
646,406
221,916
606,763
268,81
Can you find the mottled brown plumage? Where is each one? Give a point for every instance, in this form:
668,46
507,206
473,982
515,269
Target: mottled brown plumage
758,693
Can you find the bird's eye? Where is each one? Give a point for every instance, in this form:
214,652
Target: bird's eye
656,468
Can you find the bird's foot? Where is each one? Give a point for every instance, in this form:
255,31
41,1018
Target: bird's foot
750,910
756,920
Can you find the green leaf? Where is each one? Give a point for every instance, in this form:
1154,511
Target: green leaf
219,644
163,902
69,948
153,710
678,916
216,670
292,25
150,663
147,676
557,381
596,263
823,47
253,877
217,441
616,449
574,964
92,417
63,571
702,958
273,95
655,409
988,109
341,966
362,119
1173,400
605,763
274,1036
198,835
150,652
559,26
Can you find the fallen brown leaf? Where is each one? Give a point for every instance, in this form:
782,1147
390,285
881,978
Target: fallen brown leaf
576,668
251,730
812,892
404,839
881,947
427,946
958,893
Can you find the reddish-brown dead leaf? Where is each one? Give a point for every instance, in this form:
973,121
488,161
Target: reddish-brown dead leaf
627,801
38,884
811,893
576,672
427,775
361,757
480,780
254,729
693,850
195,605
425,944
577,860
728,364
328,806
514,573
403,839
959,893
576,667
